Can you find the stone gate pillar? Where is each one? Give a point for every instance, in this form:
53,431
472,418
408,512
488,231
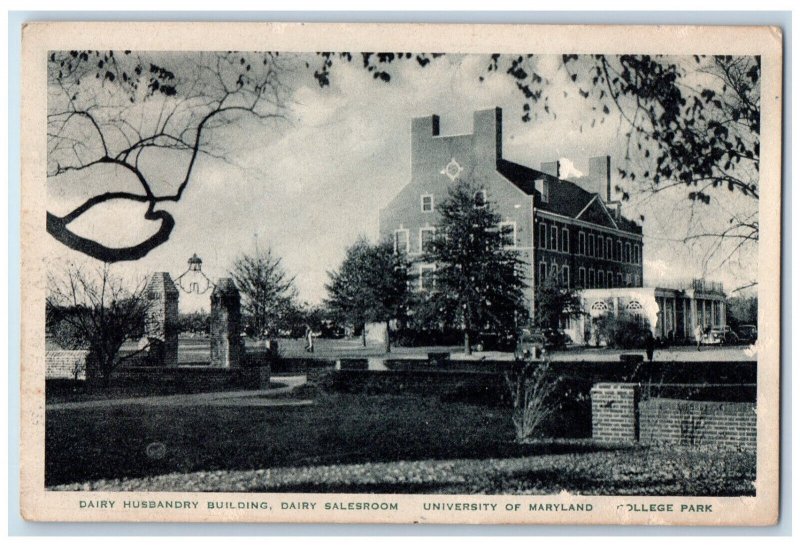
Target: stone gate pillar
161,326
227,348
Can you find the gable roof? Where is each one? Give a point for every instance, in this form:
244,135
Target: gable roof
565,198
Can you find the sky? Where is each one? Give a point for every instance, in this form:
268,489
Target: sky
309,186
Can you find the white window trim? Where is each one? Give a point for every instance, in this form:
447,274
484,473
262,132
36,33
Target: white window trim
419,236
422,269
609,248
513,225
565,239
543,232
628,256
609,279
422,202
583,271
618,256
408,239
581,243
542,277
565,274
590,245
554,231
590,280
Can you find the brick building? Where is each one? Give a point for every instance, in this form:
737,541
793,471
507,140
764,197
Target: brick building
569,229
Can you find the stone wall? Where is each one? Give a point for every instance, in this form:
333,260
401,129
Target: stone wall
620,415
66,364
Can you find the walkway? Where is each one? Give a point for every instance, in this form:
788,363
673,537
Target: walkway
260,397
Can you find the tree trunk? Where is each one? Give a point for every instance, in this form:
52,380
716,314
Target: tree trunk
467,345
388,343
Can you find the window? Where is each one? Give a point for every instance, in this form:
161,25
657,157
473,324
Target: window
554,271
636,280
600,244
581,243
627,252
635,254
542,272
427,277
609,249
401,241
619,280
601,279
619,250
543,235
508,233
581,277
610,279
426,236
554,237
627,280
426,202
565,276
591,278
591,244
565,240
480,199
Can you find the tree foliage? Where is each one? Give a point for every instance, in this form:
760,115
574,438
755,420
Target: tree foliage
555,303
478,280
371,285
134,113
268,290
96,310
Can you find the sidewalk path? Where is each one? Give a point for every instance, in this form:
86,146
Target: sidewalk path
220,398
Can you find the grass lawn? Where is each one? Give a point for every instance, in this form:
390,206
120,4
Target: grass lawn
360,443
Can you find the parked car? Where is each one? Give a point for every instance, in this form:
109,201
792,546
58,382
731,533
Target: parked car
530,344
720,336
748,333
555,338
490,341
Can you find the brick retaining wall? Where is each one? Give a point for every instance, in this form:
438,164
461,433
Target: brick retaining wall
614,412
673,421
619,415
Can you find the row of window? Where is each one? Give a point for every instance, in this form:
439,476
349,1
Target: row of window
591,245
599,279
402,237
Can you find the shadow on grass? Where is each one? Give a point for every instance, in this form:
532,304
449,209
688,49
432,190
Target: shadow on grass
112,443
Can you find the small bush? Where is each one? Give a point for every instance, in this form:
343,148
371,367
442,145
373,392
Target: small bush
625,331
532,387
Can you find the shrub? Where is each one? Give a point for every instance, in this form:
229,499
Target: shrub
625,331
532,387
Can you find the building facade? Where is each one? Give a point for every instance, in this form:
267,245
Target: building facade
568,229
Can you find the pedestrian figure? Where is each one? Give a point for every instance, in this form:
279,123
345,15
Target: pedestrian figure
309,339
698,335
649,346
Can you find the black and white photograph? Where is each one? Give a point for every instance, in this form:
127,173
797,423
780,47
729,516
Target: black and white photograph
483,279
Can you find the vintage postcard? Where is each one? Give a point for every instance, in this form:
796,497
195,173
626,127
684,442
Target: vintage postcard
335,273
